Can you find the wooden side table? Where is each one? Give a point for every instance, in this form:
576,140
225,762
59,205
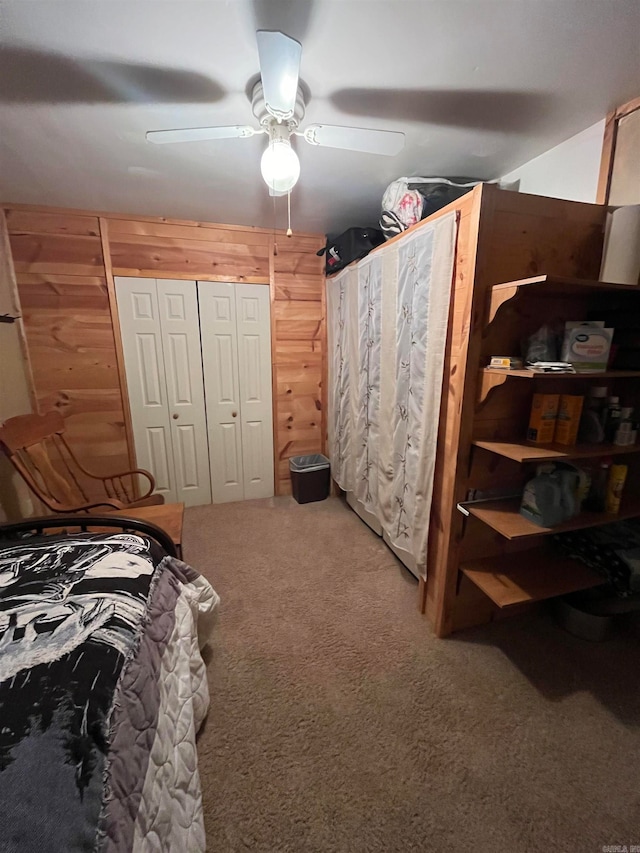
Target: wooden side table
167,516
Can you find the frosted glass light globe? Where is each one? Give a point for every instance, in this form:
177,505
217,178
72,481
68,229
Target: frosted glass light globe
280,166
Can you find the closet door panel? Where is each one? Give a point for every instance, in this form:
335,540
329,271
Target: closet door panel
158,456
145,368
178,305
253,323
220,365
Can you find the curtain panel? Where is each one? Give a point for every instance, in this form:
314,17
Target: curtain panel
387,327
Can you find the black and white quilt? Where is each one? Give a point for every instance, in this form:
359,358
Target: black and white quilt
87,624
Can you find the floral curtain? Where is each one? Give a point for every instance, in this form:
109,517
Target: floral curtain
387,322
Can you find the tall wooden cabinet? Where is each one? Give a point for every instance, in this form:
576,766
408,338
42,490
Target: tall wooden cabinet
521,260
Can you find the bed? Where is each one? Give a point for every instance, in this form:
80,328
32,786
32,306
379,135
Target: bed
102,687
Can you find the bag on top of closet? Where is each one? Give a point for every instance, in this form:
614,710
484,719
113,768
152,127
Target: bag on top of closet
408,200
351,245
401,208
437,192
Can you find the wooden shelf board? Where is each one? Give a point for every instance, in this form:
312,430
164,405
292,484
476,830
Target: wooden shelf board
503,516
529,576
530,374
523,452
557,285
549,285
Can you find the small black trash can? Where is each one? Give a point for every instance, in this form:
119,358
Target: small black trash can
310,477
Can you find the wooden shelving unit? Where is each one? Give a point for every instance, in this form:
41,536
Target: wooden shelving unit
534,571
494,558
534,576
504,516
522,452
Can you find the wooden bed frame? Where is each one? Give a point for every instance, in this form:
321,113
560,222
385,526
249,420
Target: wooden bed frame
60,525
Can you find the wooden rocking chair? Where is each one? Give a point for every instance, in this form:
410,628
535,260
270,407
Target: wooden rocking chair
64,487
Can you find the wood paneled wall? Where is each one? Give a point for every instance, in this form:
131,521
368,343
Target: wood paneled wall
298,332
62,286
65,261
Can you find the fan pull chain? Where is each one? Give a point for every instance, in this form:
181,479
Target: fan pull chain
289,231
275,238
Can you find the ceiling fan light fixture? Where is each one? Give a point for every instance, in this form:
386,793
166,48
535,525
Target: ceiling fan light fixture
280,166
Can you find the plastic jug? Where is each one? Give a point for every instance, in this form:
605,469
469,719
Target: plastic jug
542,500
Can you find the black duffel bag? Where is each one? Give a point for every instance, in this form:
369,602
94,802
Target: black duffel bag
351,245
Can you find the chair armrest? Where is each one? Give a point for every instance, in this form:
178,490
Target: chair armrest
143,473
118,476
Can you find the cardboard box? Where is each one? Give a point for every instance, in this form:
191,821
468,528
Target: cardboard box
542,422
586,346
506,362
568,420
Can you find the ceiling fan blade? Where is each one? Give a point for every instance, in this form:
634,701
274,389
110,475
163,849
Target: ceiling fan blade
388,142
200,134
279,69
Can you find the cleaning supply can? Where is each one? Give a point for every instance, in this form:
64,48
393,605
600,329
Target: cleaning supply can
624,436
615,485
542,422
591,429
569,411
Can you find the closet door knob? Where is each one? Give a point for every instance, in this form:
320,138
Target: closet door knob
234,414
175,417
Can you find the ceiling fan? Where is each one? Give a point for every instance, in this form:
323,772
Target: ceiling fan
279,106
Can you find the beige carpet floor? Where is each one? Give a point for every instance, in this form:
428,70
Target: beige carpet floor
338,723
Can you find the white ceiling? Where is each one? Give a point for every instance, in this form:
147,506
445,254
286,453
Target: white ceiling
478,87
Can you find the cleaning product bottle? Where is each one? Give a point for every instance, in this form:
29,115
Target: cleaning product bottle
615,485
624,432
598,494
612,418
591,424
585,475
569,479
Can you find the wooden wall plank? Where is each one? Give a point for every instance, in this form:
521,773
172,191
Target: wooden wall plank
121,229
298,264
299,353
303,244
65,292
196,257
56,253
143,245
299,287
39,222
298,320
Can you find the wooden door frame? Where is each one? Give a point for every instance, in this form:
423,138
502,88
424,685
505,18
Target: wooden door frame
609,148
8,276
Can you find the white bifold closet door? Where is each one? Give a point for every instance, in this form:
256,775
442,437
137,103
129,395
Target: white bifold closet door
235,325
161,343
